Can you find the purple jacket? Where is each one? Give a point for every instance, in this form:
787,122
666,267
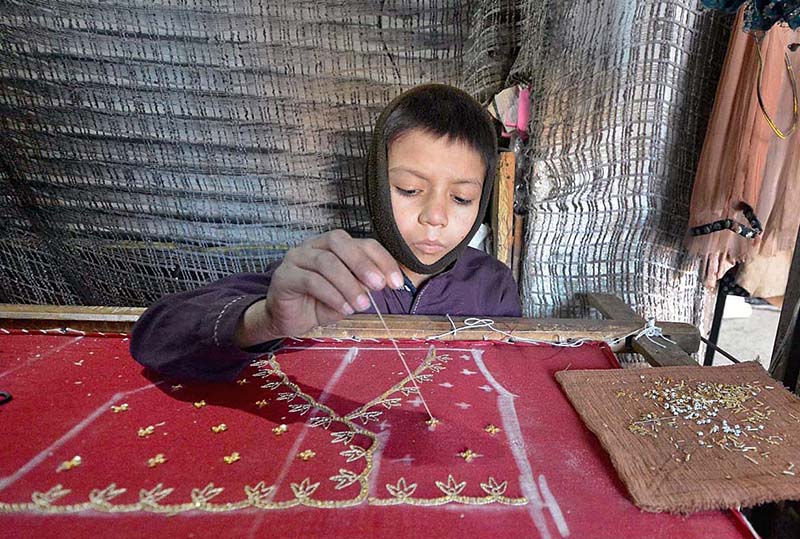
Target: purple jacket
189,335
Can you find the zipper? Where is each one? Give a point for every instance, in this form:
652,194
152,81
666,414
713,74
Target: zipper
418,295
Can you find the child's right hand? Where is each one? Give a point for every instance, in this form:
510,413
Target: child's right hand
319,282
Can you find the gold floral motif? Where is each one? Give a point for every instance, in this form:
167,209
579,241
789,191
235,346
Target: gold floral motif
121,408
492,488
280,429
306,455
155,461
144,432
201,496
199,404
233,457
261,403
469,455
491,429
401,490
222,427
305,489
451,488
74,462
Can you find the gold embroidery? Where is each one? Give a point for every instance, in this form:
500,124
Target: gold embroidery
233,457
344,479
222,427
144,432
304,489
306,455
400,490
432,422
74,462
177,387
242,382
491,429
121,408
155,461
403,494
261,403
493,489
354,453
468,455
259,496
432,362
199,404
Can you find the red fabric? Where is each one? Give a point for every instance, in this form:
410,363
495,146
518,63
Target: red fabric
64,387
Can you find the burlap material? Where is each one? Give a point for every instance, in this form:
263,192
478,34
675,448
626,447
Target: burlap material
667,464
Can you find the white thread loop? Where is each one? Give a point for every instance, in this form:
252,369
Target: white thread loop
650,331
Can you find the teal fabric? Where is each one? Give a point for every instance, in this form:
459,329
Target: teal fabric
761,15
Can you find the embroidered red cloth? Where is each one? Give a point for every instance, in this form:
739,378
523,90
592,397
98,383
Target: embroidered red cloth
93,443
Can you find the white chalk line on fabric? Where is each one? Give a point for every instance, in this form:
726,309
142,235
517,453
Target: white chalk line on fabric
511,426
74,431
34,359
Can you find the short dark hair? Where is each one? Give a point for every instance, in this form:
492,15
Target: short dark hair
444,111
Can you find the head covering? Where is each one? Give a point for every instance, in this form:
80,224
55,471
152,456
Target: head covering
437,109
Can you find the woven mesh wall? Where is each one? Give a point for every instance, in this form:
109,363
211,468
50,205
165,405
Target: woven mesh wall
622,92
148,147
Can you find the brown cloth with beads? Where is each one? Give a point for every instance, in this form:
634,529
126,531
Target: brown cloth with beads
655,469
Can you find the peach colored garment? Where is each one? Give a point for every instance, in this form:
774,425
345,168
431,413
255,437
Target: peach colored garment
744,161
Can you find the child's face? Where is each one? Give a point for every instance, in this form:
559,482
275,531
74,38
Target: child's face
436,188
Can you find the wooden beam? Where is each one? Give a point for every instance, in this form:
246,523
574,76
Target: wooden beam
503,208
656,351
121,319
613,308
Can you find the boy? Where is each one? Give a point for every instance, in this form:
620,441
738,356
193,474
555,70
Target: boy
429,178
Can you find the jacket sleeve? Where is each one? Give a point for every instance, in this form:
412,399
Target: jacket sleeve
188,336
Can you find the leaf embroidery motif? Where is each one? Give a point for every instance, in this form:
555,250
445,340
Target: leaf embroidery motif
451,488
492,488
305,489
47,498
344,479
401,490
202,496
106,494
259,493
154,495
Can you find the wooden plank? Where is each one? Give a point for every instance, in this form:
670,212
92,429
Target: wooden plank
121,319
669,356
610,306
516,254
503,208
657,352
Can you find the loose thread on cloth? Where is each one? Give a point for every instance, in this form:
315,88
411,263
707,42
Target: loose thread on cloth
400,354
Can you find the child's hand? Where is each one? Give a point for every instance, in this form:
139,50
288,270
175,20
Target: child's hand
318,283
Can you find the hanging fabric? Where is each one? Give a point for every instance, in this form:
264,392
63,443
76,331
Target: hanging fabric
747,189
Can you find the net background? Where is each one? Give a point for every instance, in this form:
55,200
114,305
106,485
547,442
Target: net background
151,147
